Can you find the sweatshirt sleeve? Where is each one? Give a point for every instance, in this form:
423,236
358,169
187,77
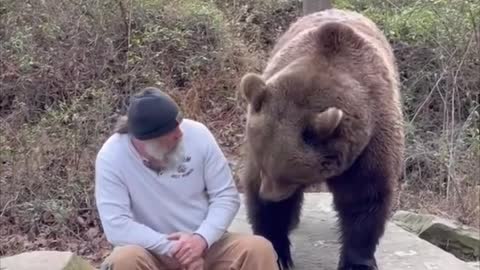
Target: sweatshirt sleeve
224,200
113,203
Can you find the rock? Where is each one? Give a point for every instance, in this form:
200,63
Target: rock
475,265
315,242
417,223
45,260
462,241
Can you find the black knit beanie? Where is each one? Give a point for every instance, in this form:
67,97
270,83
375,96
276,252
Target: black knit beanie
152,113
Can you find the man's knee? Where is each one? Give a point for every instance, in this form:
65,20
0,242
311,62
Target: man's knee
257,245
126,257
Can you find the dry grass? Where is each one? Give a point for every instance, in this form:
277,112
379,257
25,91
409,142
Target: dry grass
441,86
67,69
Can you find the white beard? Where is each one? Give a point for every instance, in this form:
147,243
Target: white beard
169,160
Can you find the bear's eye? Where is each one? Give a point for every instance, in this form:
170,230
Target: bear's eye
310,138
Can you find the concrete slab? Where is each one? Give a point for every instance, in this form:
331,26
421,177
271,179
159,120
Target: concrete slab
315,244
45,260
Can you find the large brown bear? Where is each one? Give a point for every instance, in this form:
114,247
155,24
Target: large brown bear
327,108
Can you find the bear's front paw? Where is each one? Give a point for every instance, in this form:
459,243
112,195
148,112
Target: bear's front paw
358,267
367,264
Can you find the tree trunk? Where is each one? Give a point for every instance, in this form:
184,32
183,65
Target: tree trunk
311,6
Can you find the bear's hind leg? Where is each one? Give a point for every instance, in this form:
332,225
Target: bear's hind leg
274,221
362,223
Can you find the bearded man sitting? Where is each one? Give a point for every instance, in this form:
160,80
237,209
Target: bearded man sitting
166,196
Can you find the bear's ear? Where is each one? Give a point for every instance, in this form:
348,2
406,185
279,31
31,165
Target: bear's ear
253,89
335,37
326,122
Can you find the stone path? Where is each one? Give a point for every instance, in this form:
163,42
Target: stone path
45,260
315,246
315,243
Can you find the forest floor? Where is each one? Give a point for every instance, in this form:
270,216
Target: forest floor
67,69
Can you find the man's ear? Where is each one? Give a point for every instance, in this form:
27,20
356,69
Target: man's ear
335,37
253,89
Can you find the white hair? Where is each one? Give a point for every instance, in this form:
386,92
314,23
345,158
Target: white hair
171,158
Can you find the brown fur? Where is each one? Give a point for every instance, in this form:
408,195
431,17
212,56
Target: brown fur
326,108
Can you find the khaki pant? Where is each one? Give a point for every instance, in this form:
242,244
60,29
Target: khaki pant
234,251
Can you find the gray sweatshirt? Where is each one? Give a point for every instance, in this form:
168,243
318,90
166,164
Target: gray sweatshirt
141,207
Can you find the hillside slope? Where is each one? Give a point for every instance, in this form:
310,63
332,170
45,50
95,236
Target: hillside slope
67,69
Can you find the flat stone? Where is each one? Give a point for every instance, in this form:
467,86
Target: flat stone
315,242
460,240
475,265
417,223
44,260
